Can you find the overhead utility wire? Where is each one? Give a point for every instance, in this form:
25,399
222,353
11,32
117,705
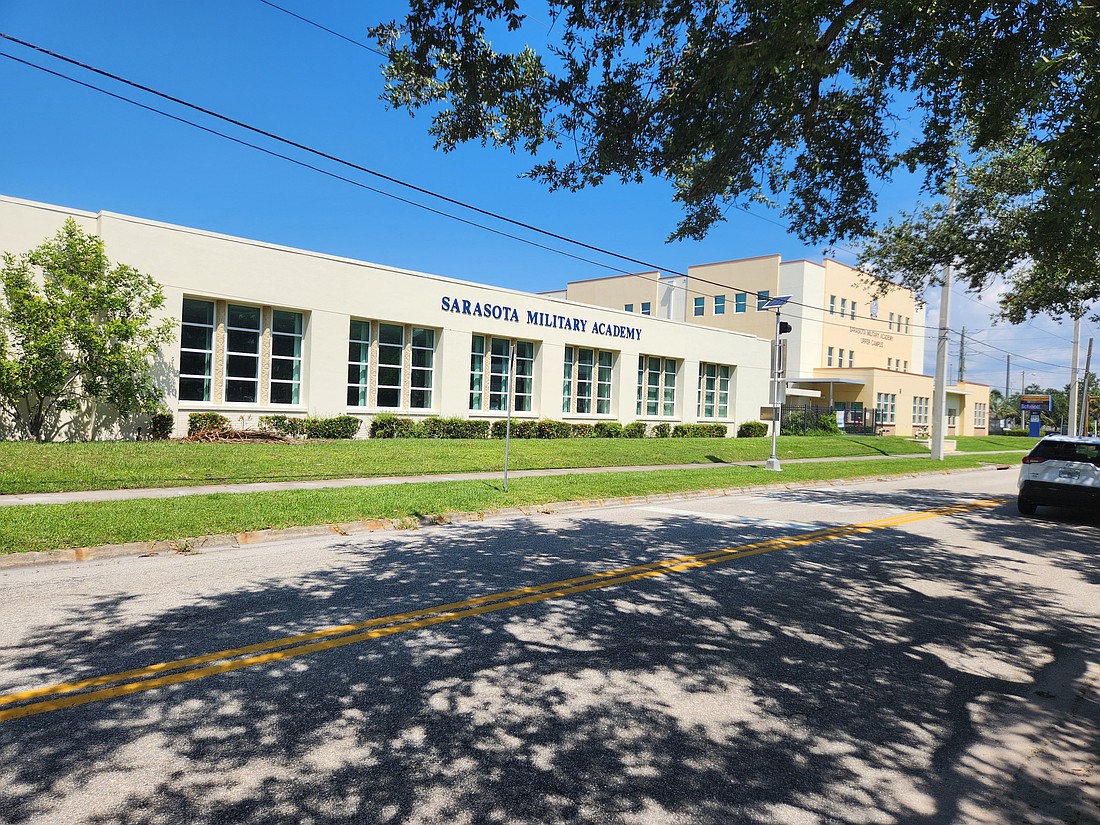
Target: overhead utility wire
965,295
352,165
333,32
366,170
313,168
322,154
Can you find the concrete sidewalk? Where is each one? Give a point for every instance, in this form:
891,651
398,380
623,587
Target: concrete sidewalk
17,499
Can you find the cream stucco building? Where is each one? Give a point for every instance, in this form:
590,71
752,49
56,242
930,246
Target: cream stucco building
848,350
264,329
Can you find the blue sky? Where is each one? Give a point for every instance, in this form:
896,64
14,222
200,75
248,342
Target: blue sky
69,145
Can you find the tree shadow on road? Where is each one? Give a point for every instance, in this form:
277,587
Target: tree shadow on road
845,681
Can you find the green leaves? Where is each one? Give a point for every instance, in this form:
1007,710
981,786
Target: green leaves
75,329
812,104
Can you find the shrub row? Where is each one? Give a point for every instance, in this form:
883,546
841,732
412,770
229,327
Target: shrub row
699,431
752,429
392,426
342,426
387,425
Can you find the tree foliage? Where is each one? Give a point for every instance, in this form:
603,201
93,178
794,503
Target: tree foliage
75,329
1007,218
813,103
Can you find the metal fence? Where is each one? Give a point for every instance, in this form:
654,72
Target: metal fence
802,420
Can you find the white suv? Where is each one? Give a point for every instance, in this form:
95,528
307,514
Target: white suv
1062,471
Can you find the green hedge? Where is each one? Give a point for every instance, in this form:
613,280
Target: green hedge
607,429
436,427
160,425
548,428
662,430
204,421
343,426
387,425
635,429
283,424
752,429
699,431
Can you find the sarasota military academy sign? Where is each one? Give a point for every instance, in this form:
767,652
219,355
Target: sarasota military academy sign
500,312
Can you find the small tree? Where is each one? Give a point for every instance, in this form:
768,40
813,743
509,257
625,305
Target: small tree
74,329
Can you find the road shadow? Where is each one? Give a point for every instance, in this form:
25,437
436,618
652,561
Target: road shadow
838,682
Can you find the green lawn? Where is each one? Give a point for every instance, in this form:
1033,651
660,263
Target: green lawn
55,526
38,468
978,443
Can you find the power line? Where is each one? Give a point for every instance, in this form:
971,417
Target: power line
397,181
333,32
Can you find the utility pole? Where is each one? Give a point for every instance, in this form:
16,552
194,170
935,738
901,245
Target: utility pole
1084,428
939,394
962,355
1008,369
1071,427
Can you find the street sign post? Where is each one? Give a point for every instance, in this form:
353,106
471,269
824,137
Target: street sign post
776,303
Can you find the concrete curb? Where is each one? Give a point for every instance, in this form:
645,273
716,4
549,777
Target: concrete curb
230,541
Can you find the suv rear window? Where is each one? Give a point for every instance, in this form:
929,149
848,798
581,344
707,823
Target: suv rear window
1065,451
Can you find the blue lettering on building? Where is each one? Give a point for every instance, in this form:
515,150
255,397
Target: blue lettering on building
499,312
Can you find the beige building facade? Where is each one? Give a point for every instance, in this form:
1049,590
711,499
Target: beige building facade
851,351
264,330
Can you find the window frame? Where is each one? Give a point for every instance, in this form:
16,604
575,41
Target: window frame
211,334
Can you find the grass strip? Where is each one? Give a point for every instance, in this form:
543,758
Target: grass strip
56,526
40,468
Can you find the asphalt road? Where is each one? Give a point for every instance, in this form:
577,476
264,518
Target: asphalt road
899,652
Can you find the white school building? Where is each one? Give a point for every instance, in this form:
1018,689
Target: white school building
265,330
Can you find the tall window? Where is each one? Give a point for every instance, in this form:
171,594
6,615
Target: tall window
420,377
603,382
843,307
920,410
196,350
952,414
524,389
840,361
647,308
889,363
700,306
358,363
829,358
286,357
714,391
890,323
656,386
851,358
719,304
477,373
586,387
886,406
906,326
762,298
567,380
391,364
499,354
853,311
905,367
740,302
832,305
980,414
242,355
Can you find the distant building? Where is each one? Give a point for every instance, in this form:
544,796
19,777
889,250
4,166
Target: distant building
847,351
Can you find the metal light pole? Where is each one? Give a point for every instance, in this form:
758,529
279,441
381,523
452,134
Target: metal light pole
776,303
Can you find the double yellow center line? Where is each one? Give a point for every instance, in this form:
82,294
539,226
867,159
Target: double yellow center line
110,686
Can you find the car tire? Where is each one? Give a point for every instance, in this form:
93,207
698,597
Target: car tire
1026,506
